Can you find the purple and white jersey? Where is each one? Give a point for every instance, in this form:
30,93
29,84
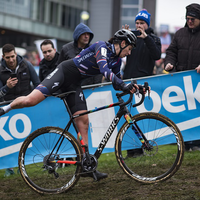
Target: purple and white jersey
100,58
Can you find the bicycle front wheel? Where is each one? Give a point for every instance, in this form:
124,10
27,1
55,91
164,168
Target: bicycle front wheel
163,157
37,166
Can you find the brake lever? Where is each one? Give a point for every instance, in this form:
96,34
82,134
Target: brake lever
146,85
137,92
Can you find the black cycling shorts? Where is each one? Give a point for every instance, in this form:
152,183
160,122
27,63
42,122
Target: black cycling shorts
66,77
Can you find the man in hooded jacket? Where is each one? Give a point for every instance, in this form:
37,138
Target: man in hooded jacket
82,37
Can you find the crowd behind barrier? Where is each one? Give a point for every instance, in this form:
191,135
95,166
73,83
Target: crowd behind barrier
174,95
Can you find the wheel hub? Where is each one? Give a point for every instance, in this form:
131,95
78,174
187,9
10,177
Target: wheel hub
152,148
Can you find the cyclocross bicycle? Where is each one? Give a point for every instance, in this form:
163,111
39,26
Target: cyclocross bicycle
51,160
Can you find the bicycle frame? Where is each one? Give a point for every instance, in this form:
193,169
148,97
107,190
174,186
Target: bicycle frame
123,111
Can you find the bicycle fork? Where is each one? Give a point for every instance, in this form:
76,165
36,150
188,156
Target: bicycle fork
138,132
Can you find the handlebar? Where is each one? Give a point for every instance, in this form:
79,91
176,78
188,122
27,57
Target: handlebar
142,90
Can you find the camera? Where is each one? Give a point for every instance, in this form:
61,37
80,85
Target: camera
137,33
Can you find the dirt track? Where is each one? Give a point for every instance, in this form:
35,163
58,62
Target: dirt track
184,185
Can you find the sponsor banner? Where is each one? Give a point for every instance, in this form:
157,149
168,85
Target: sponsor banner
175,95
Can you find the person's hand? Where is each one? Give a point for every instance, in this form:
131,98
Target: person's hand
11,82
143,33
126,27
198,69
131,87
168,67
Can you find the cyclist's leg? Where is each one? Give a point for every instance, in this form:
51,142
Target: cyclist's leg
82,124
77,104
32,99
49,85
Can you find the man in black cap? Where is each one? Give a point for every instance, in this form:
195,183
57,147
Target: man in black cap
184,52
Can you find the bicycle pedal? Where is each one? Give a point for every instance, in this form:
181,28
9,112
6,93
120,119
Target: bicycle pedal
94,176
87,174
90,174
56,175
84,145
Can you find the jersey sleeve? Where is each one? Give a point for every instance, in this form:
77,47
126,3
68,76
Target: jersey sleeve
101,59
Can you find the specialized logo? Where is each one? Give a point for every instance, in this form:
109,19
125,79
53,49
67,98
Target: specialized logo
56,84
84,57
81,96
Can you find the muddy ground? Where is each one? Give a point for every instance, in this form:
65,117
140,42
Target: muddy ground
185,184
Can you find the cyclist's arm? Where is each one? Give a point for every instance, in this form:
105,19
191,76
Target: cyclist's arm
101,54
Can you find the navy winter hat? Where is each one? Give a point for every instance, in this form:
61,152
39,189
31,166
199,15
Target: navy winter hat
144,16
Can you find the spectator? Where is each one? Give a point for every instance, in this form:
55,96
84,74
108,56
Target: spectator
165,39
141,62
82,37
16,75
184,52
48,63
159,65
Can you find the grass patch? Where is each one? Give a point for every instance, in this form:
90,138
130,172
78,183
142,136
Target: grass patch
183,185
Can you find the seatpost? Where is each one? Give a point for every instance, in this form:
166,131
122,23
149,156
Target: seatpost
70,114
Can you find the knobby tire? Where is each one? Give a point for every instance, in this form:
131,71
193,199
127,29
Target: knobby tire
42,176
152,165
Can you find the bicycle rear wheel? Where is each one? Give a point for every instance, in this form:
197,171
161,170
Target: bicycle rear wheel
157,163
34,156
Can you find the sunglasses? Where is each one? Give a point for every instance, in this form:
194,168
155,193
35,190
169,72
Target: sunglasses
192,19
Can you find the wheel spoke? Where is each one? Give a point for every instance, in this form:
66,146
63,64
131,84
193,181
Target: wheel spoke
163,155
39,169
